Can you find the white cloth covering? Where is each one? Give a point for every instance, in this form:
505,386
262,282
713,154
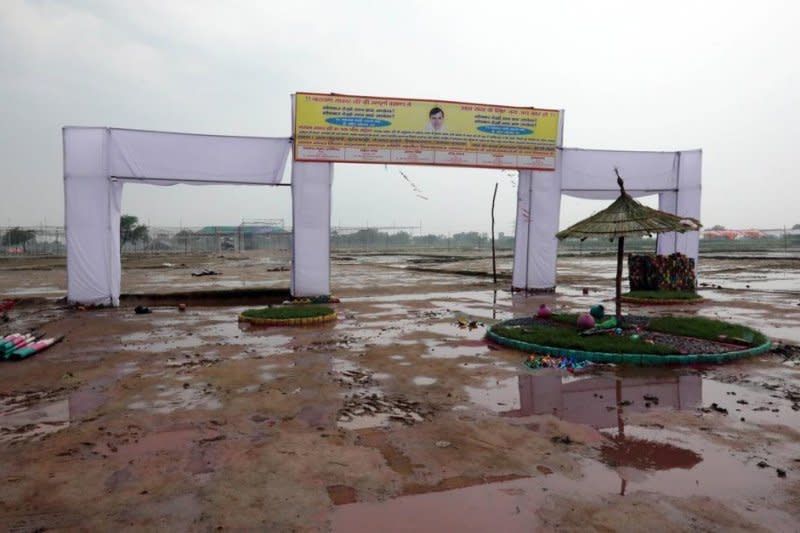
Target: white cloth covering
311,223
98,160
675,176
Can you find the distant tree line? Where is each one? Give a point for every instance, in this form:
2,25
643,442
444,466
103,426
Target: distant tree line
372,238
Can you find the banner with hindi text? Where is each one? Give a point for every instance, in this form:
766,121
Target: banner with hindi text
365,129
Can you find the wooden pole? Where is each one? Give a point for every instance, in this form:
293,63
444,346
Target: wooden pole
620,248
494,261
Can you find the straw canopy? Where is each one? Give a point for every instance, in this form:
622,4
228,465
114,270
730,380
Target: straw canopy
627,218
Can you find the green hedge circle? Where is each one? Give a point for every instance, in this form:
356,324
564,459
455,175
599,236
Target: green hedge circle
290,315
622,358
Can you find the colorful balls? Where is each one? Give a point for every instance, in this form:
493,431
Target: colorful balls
597,311
544,312
585,321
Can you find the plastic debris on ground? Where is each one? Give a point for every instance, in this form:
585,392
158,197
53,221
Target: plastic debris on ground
547,361
17,346
463,323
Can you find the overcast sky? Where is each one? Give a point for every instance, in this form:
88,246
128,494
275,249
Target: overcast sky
638,75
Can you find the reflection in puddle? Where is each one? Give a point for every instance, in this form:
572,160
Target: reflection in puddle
497,395
600,401
644,454
185,398
470,348
513,506
31,423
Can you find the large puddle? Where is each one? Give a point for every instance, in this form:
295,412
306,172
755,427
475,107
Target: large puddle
410,374
674,461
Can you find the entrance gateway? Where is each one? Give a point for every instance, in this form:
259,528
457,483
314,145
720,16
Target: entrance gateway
330,128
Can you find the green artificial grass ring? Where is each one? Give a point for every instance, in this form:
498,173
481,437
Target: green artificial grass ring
662,297
555,340
291,315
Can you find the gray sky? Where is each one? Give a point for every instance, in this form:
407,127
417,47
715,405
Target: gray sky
721,76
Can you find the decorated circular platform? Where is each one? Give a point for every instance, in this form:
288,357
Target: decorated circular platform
663,301
290,315
662,298
650,348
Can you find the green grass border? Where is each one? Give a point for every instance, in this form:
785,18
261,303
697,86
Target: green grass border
651,298
282,316
629,359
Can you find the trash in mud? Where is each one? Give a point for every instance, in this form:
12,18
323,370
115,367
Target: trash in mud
789,352
383,409
205,272
716,407
469,324
18,346
5,307
350,378
547,361
141,310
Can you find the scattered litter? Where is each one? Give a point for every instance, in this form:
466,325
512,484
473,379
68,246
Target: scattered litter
141,310
19,346
788,351
350,378
205,272
5,306
395,408
469,324
442,444
547,361
715,407
313,300
181,307
561,439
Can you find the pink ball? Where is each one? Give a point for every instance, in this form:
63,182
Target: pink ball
585,321
544,312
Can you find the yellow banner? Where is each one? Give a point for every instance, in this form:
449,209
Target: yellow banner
365,129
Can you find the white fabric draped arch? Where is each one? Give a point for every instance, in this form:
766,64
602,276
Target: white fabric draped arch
98,160
674,176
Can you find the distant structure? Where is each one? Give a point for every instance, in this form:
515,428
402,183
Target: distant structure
249,235
734,234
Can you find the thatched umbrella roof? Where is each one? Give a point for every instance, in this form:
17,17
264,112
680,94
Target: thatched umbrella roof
627,218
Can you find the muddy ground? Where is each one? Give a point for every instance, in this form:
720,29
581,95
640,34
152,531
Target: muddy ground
393,418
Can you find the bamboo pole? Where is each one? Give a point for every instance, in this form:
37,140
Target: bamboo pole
618,306
494,260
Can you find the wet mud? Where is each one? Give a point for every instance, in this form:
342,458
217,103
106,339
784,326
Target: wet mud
398,413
